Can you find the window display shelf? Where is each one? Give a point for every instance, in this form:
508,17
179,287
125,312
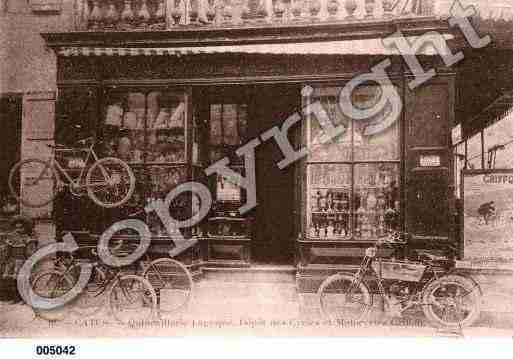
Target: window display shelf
344,187
328,212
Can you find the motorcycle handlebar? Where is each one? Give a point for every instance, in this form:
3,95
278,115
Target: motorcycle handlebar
393,238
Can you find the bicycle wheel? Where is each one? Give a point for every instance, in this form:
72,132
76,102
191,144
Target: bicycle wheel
32,182
172,282
132,298
92,298
110,182
52,284
451,301
342,299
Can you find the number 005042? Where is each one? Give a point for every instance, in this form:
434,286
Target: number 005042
55,350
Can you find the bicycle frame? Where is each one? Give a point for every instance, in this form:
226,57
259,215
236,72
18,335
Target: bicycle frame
61,171
107,281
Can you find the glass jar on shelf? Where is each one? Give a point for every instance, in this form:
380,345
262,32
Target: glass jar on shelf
323,200
330,230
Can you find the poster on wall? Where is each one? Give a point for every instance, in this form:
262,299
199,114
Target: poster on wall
488,218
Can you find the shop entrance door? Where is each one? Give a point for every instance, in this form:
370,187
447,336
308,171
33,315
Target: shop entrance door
273,241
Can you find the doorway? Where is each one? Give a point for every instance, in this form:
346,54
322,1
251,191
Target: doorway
10,122
236,115
273,239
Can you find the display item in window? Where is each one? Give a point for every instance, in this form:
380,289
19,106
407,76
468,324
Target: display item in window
151,117
392,219
130,121
313,231
125,148
215,126
177,117
315,200
323,200
114,114
329,201
162,119
231,136
330,230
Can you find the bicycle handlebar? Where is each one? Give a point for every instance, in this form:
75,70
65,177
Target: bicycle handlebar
83,141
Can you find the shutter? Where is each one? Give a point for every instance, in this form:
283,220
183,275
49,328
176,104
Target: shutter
37,132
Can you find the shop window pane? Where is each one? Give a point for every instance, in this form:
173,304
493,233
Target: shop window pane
161,180
328,201
228,129
375,138
148,127
338,148
123,129
376,199
166,127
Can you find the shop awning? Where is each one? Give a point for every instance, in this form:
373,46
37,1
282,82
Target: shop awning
346,47
497,110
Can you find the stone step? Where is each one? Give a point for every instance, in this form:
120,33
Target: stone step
261,292
258,273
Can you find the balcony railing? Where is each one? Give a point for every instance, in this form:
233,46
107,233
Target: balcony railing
119,15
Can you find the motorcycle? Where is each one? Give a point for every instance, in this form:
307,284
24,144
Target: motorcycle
448,299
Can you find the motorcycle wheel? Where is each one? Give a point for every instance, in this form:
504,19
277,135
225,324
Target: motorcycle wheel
452,302
341,299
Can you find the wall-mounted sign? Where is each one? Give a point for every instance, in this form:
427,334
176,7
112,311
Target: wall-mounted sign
456,134
227,191
488,218
429,160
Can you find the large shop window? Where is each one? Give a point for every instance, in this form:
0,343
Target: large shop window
352,180
149,130
155,133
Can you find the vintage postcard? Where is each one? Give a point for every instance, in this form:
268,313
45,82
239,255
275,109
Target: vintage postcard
272,168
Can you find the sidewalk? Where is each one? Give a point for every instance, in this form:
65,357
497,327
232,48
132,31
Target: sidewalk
242,309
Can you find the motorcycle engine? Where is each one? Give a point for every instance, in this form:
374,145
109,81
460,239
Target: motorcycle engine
400,290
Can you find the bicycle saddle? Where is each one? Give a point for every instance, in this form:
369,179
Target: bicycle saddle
434,259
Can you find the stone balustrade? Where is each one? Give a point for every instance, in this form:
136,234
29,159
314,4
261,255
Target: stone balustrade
119,15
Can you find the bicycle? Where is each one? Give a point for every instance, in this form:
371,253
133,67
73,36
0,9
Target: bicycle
171,279
447,299
126,293
109,181
173,284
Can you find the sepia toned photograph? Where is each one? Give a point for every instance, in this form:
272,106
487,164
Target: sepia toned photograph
264,168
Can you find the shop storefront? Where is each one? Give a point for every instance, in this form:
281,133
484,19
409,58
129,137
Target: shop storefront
171,93
172,116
